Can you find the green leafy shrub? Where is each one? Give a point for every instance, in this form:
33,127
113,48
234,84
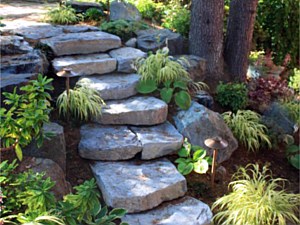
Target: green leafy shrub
94,14
262,91
256,199
177,19
22,122
294,80
293,109
63,15
122,28
192,158
293,155
161,72
247,128
232,95
82,103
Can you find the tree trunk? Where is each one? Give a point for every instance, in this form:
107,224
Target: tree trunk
239,36
206,36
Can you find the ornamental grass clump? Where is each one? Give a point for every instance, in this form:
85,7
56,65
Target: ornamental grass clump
257,198
82,103
246,126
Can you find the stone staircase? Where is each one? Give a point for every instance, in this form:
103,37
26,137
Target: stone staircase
128,143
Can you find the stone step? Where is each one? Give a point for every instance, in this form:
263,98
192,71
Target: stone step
184,211
159,140
100,142
82,43
138,110
112,86
138,186
86,64
126,57
104,142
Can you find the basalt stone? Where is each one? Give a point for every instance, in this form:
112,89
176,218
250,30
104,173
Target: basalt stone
126,57
134,111
86,64
159,140
107,142
187,211
112,86
138,186
199,123
82,43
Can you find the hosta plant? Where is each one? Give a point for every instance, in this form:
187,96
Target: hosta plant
293,155
82,103
23,118
256,198
246,126
192,158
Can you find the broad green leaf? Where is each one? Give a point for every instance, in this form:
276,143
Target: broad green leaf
183,152
18,151
166,94
180,84
185,169
118,212
199,154
146,86
181,160
295,161
201,166
292,149
183,100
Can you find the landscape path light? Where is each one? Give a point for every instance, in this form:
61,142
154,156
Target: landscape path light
215,143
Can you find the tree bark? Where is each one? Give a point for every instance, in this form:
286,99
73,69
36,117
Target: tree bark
239,37
206,36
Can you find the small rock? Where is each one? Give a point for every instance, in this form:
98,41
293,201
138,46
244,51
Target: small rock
131,43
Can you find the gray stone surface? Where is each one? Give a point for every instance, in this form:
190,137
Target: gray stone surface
81,7
32,62
53,148
82,43
13,80
53,170
134,111
152,40
204,98
138,186
158,140
199,123
107,142
86,64
11,45
78,28
125,11
184,211
131,43
113,86
125,57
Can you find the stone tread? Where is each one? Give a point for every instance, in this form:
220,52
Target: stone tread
86,64
184,211
138,110
138,186
112,86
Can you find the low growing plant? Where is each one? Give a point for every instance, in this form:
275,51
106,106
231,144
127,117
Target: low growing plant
23,121
82,103
94,14
256,198
122,28
232,95
192,158
293,109
63,15
246,126
294,80
293,155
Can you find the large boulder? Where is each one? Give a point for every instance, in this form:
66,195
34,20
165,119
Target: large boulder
199,123
53,148
52,170
152,40
125,11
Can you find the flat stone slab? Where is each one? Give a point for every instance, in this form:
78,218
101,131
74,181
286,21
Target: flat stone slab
138,186
11,45
15,79
134,111
125,57
107,142
184,211
158,140
86,64
82,43
113,86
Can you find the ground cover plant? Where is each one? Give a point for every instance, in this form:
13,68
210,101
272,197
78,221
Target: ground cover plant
63,15
256,198
23,118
